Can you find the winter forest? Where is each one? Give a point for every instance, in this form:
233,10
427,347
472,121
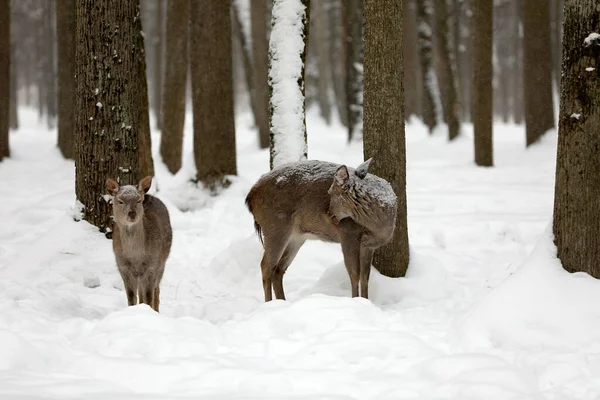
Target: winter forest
300,199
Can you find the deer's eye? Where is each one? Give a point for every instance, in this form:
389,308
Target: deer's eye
121,202
139,201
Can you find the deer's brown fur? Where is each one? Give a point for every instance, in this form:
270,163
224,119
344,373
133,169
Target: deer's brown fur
323,201
142,239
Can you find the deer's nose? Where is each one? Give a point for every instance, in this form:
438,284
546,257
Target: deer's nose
131,214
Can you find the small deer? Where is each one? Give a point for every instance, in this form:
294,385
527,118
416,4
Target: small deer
323,201
142,239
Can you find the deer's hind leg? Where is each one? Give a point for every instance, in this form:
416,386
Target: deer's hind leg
286,259
274,247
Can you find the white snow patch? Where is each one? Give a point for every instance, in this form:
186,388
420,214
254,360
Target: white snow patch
592,38
540,306
590,69
286,46
576,116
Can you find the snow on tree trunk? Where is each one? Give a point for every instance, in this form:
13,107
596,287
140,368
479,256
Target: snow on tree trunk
109,106
287,57
577,190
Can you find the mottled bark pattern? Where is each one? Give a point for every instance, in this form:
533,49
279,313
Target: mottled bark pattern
212,90
65,15
577,191
481,105
109,104
352,21
537,67
428,77
173,113
260,62
384,119
446,69
4,77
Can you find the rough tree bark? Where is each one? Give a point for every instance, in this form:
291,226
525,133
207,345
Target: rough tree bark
173,114
431,102
446,69
108,107
537,69
577,189
65,18
481,97
4,77
287,116
259,14
384,119
352,21
212,91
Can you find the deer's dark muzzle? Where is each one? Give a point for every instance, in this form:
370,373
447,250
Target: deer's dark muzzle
131,215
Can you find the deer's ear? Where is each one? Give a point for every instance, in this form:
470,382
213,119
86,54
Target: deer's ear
144,184
112,186
362,169
341,176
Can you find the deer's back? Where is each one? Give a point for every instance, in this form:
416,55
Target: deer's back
295,195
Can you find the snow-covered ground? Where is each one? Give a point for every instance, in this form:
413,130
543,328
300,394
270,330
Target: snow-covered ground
485,312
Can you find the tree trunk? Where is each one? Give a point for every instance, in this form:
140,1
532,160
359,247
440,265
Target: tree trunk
173,115
50,72
481,104
577,190
320,39
243,37
504,34
146,163
212,91
465,65
65,16
287,117
352,22
158,62
384,119
14,100
336,51
446,70
537,67
4,77
431,101
412,72
518,103
556,31
260,60
108,108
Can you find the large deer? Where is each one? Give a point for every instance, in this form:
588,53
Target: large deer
323,201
